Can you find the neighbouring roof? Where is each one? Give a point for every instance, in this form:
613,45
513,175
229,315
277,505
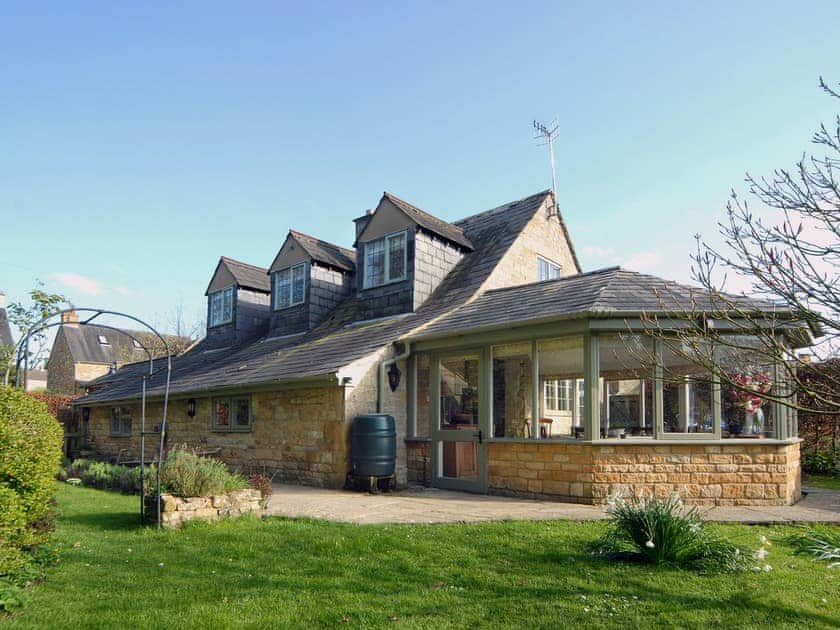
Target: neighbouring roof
85,344
431,223
5,330
245,275
340,339
325,252
609,292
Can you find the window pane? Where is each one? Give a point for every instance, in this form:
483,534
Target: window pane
547,270
215,309
747,372
626,385
424,408
298,283
221,413
227,304
282,284
512,378
561,364
375,263
396,256
243,412
459,392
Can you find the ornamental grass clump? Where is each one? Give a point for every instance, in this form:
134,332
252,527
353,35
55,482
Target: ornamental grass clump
663,532
186,474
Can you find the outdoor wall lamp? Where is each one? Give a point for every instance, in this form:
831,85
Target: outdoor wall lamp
191,407
394,376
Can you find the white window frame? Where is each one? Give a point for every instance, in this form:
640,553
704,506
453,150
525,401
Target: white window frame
220,295
386,272
275,295
231,403
556,386
103,340
551,265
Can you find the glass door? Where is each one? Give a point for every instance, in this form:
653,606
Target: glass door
459,450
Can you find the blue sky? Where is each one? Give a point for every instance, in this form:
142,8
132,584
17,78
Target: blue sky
140,143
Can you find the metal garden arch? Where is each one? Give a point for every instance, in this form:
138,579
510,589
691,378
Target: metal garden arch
45,323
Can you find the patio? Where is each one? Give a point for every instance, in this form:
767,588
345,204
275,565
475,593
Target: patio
432,505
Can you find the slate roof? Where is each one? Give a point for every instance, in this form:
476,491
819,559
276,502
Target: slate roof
431,223
610,292
339,340
248,276
84,345
5,330
326,252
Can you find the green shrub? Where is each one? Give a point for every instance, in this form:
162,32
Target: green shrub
821,462
30,454
185,474
662,531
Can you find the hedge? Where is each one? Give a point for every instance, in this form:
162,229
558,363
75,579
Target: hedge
30,456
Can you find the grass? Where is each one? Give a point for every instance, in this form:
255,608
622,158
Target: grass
303,573
831,482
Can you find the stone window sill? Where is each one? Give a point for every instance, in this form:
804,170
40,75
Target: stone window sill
119,435
231,430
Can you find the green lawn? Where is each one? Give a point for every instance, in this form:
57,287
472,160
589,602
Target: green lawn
280,572
832,482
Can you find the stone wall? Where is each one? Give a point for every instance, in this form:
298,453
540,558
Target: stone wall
740,473
360,398
542,236
298,434
175,511
419,461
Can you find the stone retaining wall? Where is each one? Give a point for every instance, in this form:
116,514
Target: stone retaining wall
757,473
175,511
419,461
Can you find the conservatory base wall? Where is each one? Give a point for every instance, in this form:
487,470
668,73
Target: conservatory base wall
759,473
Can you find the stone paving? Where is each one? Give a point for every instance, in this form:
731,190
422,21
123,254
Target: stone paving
429,505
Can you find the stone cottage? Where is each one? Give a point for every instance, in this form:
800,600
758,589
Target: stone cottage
510,370
82,353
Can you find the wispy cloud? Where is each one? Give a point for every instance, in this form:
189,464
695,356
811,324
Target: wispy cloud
644,261
77,281
596,251
123,290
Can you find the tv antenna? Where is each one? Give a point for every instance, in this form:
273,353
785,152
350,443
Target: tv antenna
546,134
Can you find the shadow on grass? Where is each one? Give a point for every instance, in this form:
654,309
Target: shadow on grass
113,521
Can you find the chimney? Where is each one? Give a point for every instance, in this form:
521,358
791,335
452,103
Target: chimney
362,222
70,317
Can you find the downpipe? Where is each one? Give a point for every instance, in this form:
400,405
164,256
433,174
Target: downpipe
383,366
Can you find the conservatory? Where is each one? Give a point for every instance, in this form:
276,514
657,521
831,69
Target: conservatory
590,406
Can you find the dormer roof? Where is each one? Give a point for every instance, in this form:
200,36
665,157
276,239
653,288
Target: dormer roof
230,271
428,222
320,251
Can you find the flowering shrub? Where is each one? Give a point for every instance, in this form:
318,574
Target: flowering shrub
662,531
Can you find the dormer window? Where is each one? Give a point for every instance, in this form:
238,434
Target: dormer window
547,270
221,307
385,260
103,340
289,286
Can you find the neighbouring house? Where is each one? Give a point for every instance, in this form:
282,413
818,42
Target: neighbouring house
82,353
509,370
36,380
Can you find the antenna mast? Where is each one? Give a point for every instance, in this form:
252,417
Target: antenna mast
547,133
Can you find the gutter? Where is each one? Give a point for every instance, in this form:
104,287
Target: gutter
380,390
